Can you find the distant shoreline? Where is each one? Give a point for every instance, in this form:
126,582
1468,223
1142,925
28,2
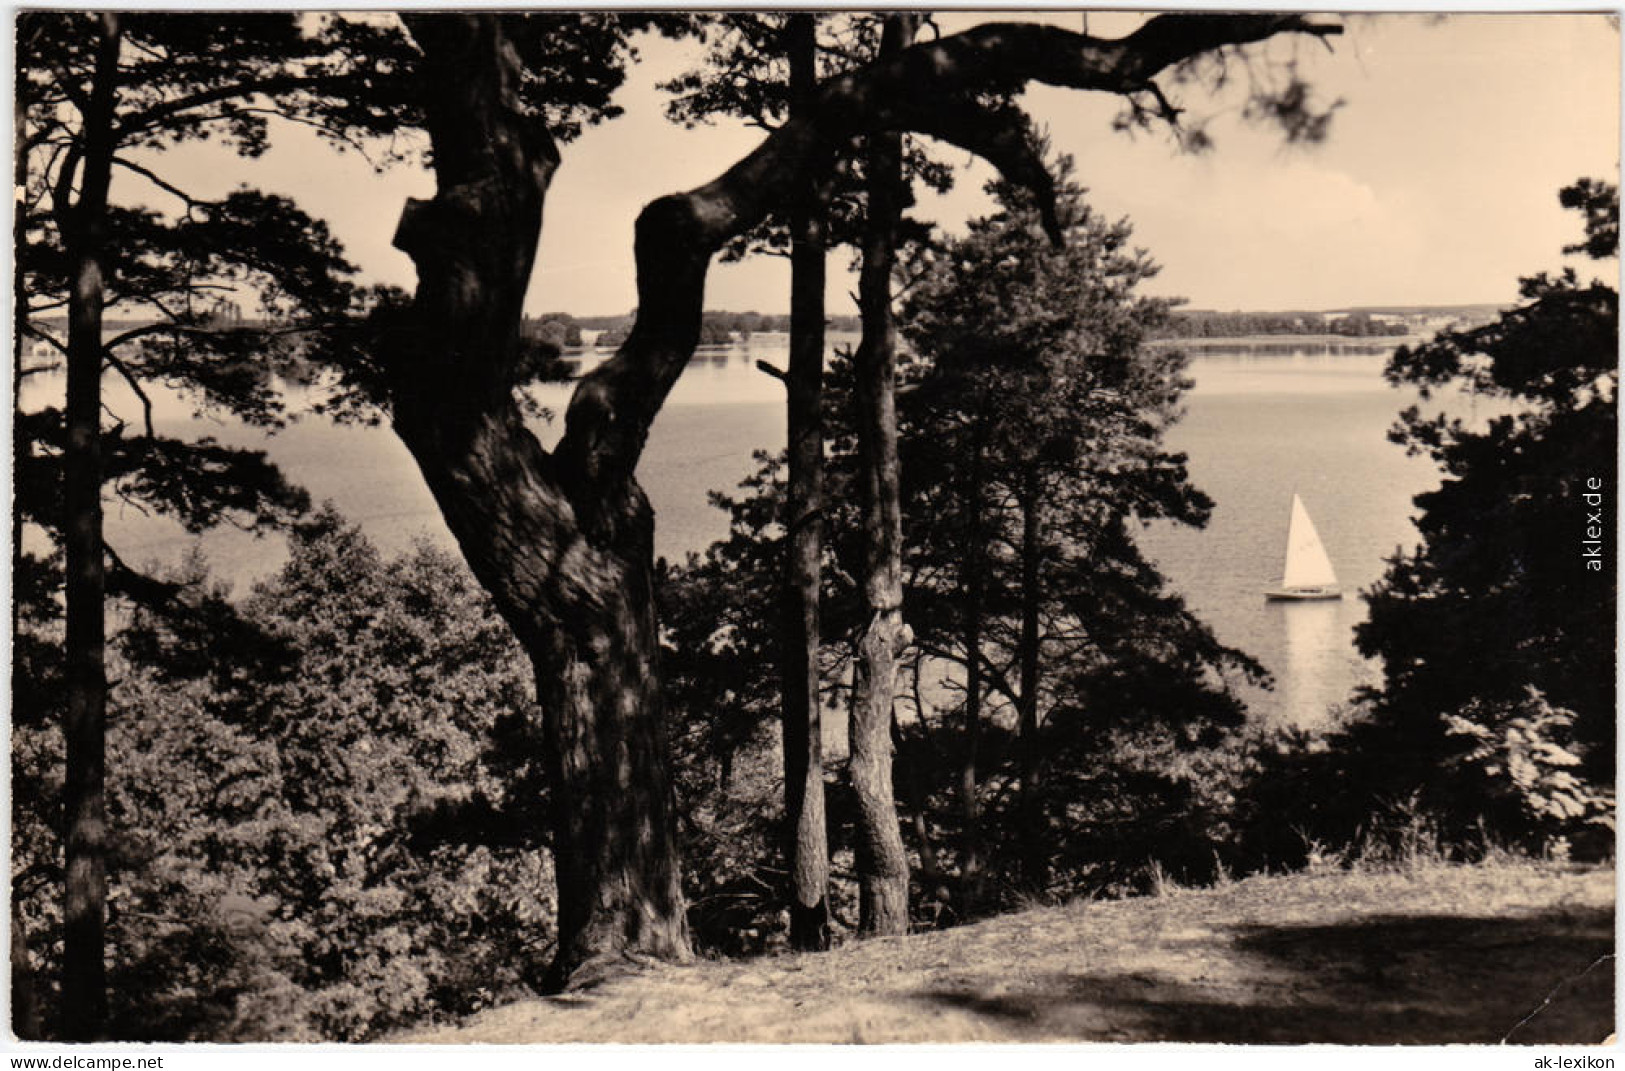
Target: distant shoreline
1375,341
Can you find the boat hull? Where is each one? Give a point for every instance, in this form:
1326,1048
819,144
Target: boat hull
1303,594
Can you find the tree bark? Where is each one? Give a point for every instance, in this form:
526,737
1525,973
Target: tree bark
882,864
562,540
974,582
84,975
806,832
568,560
25,1018
1035,849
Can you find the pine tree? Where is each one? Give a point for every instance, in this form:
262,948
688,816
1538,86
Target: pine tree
1497,631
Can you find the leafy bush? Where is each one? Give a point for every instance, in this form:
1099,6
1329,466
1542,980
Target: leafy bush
312,825
1522,755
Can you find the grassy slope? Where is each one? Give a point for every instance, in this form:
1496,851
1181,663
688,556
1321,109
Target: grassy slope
1434,955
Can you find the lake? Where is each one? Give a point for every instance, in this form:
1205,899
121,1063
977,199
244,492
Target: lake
1257,429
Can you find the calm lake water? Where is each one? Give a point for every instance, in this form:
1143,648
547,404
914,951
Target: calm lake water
1257,429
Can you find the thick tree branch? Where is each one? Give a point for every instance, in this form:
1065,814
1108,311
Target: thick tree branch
928,86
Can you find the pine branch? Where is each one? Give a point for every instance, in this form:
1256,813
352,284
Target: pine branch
137,586
135,386
162,184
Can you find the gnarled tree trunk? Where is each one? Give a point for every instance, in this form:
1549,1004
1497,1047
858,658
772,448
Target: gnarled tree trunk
567,556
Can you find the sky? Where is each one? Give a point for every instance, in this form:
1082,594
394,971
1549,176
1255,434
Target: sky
1437,184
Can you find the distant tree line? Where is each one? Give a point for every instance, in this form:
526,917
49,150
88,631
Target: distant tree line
1203,324
717,327
558,330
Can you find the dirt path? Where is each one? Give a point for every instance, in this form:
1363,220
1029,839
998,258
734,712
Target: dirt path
1442,955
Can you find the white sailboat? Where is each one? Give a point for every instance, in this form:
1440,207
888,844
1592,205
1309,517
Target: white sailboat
1308,573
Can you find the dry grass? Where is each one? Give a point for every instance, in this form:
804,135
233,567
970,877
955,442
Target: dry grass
1426,955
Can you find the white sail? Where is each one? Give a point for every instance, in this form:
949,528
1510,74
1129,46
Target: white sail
1306,563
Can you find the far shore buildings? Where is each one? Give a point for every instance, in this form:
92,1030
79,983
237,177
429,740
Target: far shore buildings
41,354
1424,321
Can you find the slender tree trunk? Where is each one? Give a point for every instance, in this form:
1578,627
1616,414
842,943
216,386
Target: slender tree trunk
84,976
881,862
1035,849
974,583
19,325
25,1018
806,828
563,542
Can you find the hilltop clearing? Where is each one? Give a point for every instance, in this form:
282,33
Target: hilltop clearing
1433,955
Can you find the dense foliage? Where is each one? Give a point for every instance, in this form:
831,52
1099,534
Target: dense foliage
1034,448
310,795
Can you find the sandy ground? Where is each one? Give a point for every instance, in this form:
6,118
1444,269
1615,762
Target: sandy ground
1438,955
